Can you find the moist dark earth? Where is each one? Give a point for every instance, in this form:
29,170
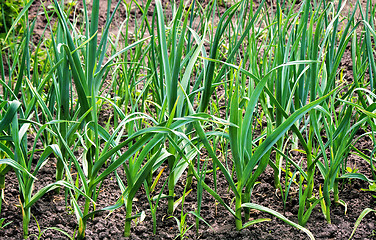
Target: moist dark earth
51,211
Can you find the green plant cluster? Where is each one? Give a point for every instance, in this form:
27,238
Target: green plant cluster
268,93
9,10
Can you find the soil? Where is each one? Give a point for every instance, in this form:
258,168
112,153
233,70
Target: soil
51,211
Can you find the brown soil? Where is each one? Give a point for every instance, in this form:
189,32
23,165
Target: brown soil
51,211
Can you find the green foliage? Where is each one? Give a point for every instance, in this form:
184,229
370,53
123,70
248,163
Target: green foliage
217,87
9,10
2,224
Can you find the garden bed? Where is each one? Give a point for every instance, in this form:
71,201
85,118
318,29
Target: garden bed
347,103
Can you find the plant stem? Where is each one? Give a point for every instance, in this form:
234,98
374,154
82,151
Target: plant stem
277,182
328,213
25,222
190,174
82,223
127,228
311,169
87,206
238,213
246,199
154,217
2,187
171,186
170,209
59,172
336,192
81,229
